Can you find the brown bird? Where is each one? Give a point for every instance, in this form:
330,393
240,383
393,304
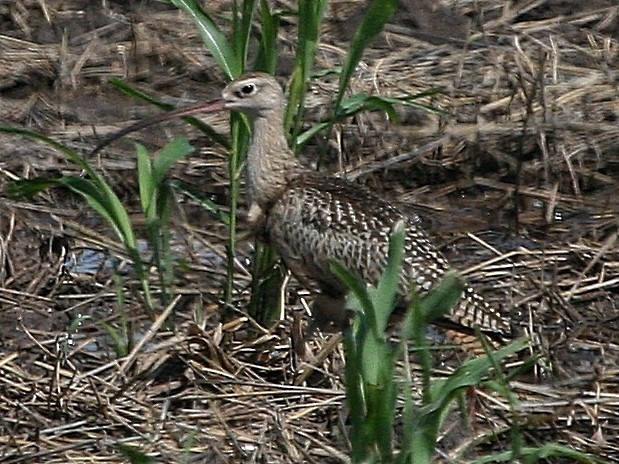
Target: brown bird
312,218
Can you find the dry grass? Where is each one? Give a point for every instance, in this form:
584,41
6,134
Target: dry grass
521,179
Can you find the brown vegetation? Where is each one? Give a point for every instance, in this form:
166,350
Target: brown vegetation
517,179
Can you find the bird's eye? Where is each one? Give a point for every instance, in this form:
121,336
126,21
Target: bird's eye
248,89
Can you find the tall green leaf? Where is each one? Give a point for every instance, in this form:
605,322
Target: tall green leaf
379,12
310,15
209,205
267,50
178,149
99,195
358,103
215,40
241,30
390,280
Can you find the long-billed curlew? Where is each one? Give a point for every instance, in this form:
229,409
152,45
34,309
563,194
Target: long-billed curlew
312,218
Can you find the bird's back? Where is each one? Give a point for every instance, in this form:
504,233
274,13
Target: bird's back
319,219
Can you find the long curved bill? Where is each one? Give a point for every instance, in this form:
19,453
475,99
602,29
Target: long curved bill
209,107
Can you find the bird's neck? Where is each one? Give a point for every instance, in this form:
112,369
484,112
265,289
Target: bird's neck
270,163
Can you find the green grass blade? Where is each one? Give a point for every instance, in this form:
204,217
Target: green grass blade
306,136
155,200
471,373
71,154
375,353
381,414
108,206
266,281
355,394
134,455
27,188
160,235
146,186
310,15
408,415
231,59
267,51
120,343
432,306
209,205
390,280
379,12
240,140
167,156
100,196
95,189
442,297
358,103
138,94
241,30
441,394
214,39
536,454
355,285
364,102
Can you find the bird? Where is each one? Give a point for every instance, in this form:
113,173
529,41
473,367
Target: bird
312,218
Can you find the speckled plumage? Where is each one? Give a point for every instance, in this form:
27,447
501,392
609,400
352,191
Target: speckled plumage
320,218
311,218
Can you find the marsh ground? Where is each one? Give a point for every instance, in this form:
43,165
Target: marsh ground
517,181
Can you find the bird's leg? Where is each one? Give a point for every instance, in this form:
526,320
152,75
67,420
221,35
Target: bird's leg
329,314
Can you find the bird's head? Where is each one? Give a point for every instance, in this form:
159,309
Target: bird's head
254,94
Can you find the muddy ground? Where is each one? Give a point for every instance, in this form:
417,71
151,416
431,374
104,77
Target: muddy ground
516,180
